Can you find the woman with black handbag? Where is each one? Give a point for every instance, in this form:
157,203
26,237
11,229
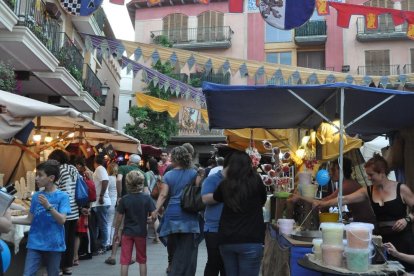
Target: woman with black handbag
180,227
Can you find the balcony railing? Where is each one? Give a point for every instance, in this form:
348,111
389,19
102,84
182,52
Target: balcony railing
33,14
10,3
386,30
218,78
210,35
312,28
93,85
201,129
407,69
99,15
379,70
68,55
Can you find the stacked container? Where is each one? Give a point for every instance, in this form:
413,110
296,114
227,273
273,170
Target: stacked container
358,251
332,243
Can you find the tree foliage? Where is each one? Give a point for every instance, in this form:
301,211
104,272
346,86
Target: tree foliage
7,77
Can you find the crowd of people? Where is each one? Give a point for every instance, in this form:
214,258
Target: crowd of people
122,207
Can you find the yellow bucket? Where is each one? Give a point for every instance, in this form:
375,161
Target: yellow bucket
328,217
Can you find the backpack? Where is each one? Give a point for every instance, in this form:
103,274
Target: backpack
81,191
91,189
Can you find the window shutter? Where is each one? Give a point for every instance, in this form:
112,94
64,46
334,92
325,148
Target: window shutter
377,62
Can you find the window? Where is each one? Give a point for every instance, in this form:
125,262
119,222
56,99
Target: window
377,62
411,66
279,57
275,35
210,26
385,21
175,27
315,59
407,5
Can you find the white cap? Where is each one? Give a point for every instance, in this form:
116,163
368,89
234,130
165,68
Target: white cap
134,158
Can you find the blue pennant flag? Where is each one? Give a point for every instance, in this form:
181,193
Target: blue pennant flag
173,59
226,66
208,66
155,56
349,79
191,61
330,79
137,54
243,70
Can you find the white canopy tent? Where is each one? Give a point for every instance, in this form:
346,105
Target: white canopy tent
19,111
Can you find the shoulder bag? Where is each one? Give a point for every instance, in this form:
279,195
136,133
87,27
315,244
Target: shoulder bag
191,201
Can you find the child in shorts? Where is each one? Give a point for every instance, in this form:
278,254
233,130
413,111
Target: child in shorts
134,208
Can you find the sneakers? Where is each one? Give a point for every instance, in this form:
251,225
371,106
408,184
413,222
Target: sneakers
100,251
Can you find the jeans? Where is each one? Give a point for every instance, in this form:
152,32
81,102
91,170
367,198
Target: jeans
214,265
101,213
242,258
184,261
34,259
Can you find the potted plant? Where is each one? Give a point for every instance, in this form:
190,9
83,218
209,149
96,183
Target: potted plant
7,77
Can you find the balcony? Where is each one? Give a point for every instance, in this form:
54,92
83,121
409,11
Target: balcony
408,69
196,79
92,24
8,18
386,31
379,70
93,85
27,46
201,129
196,38
312,33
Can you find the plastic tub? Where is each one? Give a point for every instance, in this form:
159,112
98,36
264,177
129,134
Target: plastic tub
317,250
308,190
359,234
332,255
358,260
328,217
332,233
285,226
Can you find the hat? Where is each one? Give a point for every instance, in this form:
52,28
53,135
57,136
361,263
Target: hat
134,158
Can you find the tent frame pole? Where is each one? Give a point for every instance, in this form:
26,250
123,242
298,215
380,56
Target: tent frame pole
341,152
368,111
313,108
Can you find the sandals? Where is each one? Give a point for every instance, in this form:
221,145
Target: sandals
156,240
75,262
110,261
67,272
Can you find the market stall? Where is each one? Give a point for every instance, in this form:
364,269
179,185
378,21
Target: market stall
362,111
29,131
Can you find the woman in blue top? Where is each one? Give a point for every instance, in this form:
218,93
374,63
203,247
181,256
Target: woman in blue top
178,226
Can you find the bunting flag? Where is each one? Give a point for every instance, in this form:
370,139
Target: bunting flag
286,14
273,73
151,3
117,2
235,6
345,11
79,7
322,7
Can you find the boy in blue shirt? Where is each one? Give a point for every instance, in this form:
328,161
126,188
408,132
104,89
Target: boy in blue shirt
47,216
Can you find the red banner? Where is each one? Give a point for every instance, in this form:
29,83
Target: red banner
151,3
236,6
117,2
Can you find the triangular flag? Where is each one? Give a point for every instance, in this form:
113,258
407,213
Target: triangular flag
322,7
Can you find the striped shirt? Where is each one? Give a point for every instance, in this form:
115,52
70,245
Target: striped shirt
67,183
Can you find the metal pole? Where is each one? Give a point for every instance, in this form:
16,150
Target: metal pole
341,152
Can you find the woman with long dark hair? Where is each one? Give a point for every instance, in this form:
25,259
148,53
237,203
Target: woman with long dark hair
241,228
180,227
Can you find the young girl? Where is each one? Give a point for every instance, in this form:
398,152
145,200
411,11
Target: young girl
134,209
47,217
113,195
